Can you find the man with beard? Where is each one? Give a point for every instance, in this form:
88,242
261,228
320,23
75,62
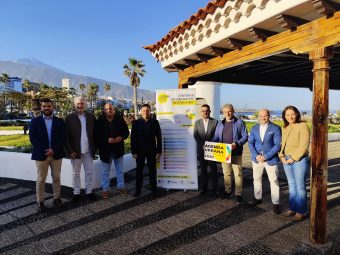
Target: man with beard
47,135
80,146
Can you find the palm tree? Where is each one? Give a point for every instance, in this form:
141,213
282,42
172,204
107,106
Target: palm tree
82,87
107,88
4,78
134,70
92,91
27,85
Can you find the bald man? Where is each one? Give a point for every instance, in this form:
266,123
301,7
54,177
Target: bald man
264,144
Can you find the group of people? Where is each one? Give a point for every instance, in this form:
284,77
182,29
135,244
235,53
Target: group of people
269,145
81,134
79,137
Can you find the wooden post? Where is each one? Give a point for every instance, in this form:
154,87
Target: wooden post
319,153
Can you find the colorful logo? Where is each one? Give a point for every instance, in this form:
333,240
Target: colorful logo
163,98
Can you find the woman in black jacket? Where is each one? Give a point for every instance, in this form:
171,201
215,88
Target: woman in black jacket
111,131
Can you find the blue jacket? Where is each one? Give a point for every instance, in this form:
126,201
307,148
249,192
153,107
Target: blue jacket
240,134
39,138
270,146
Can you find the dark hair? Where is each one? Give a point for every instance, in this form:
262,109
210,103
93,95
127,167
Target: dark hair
146,105
295,110
206,105
46,100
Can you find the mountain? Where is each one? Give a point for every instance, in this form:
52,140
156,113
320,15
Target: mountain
37,71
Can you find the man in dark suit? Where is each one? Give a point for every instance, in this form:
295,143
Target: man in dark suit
146,143
47,135
204,130
264,144
80,146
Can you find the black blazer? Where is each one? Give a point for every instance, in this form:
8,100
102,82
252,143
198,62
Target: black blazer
201,136
106,129
39,138
146,137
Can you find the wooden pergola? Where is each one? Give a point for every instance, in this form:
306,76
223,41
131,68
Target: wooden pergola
301,53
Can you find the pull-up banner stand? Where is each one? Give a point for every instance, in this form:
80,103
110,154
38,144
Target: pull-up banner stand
177,168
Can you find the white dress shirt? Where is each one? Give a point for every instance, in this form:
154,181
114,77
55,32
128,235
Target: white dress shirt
84,141
206,123
263,129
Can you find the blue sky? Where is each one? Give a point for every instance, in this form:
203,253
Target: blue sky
96,37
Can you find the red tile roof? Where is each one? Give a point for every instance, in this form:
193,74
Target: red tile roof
186,25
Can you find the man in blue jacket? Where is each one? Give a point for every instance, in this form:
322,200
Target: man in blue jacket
47,135
264,144
232,130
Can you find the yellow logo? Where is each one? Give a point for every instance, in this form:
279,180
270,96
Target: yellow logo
163,98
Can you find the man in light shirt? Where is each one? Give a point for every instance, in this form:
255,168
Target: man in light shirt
264,144
204,130
80,146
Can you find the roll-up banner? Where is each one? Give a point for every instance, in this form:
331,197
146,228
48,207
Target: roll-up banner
177,168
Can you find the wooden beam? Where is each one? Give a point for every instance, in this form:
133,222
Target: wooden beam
326,7
261,34
236,44
180,66
217,51
290,22
191,62
203,57
319,154
318,33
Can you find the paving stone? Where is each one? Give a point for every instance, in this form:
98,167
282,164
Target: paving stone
36,248
46,224
6,218
146,235
12,236
13,192
75,214
25,211
18,202
62,240
281,244
4,186
120,246
172,225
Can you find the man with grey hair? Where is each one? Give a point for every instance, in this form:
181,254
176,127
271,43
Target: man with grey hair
232,130
264,144
80,146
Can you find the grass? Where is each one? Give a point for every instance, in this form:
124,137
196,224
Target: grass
10,128
15,140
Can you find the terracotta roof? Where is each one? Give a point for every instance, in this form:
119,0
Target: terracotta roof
181,28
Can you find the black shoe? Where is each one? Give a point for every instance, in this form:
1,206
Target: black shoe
203,192
57,202
91,197
226,195
76,198
41,207
136,194
239,199
276,209
255,201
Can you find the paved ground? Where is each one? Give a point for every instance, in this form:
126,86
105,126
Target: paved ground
171,222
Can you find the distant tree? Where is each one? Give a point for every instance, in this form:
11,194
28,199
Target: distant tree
107,88
4,78
82,87
134,70
27,85
92,91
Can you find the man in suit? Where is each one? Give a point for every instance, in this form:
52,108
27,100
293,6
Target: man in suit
204,130
47,135
264,144
80,146
146,143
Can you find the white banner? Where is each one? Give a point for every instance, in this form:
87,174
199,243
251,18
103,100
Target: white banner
177,168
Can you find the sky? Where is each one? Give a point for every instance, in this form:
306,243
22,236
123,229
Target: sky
96,38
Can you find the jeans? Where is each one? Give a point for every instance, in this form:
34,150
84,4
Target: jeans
296,175
106,167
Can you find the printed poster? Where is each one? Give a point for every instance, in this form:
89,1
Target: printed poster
177,168
220,152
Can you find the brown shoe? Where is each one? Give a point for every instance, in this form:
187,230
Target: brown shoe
299,217
122,191
105,194
289,213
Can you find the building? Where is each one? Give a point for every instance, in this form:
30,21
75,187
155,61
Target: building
14,84
65,83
